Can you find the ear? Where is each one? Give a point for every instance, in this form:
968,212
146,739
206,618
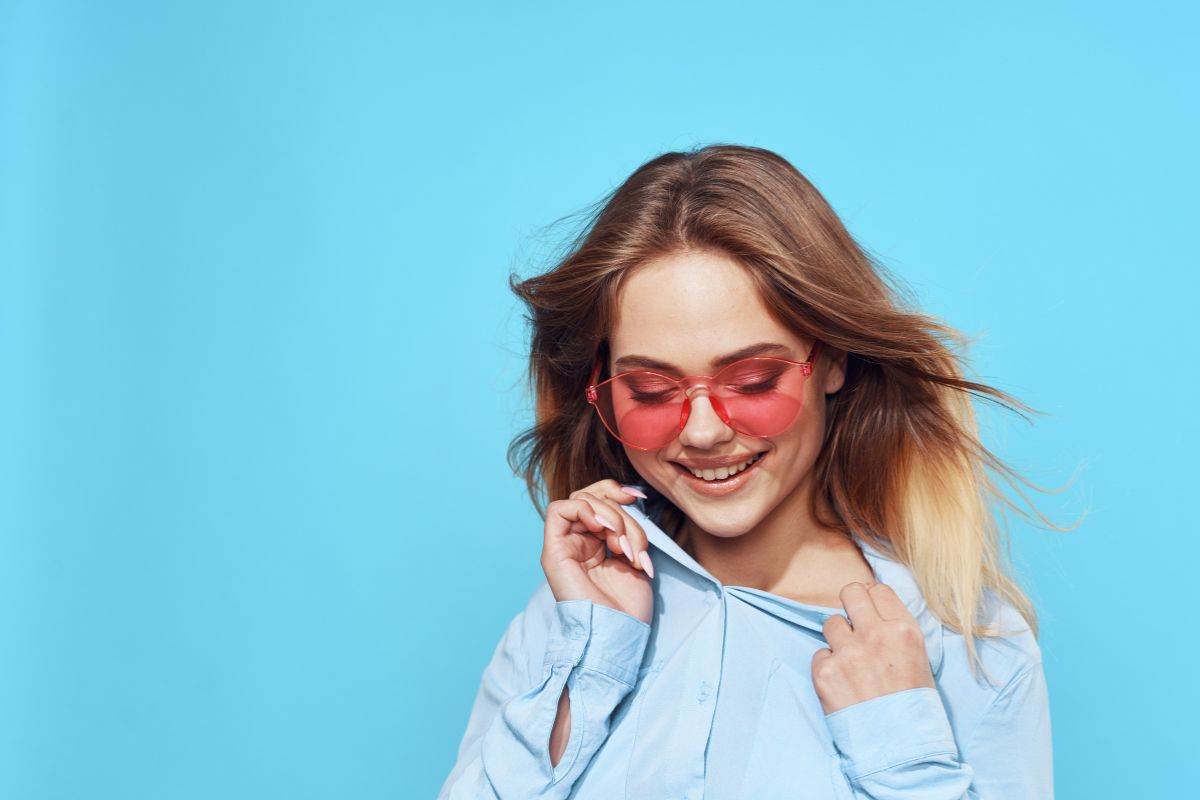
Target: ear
832,369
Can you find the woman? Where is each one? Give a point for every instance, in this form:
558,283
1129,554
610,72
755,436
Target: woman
808,599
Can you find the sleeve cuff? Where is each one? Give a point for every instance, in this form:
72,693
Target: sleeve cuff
597,637
892,729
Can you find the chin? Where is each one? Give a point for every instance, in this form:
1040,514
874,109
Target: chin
726,521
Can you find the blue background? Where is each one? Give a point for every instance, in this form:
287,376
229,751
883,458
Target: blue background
260,363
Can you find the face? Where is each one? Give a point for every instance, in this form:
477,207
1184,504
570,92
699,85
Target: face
687,310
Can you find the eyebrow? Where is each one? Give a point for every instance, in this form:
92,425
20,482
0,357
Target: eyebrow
757,349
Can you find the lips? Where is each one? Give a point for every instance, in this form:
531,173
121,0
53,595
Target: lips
719,487
723,470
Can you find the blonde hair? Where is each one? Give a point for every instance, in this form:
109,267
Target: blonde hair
902,464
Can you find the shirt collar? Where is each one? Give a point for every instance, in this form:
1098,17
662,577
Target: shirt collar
887,570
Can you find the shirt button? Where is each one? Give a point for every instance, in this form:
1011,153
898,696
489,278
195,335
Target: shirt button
576,632
705,691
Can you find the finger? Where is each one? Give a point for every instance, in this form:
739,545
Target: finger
612,490
626,530
888,602
633,540
634,490
837,631
858,604
639,542
574,515
572,532
607,515
821,655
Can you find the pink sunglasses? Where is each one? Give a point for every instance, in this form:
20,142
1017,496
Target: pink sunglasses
757,396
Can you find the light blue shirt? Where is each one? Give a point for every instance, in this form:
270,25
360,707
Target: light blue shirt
715,700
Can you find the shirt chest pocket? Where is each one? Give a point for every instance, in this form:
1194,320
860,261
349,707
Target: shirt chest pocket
792,754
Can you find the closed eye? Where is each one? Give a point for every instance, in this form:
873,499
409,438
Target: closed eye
755,388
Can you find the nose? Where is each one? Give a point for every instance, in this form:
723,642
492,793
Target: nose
704,428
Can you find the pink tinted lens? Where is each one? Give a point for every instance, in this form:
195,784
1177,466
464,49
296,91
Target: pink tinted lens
755,396
642,409
760,396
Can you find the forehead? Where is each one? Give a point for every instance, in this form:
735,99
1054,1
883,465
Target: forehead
689,308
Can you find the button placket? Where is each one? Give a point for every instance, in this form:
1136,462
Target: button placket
697,720
691,721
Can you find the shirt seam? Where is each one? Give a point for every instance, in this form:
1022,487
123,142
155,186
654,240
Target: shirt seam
940,747
620,617
595,668
891,695
1021,675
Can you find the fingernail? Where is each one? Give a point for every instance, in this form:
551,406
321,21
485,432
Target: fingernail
636,491
644,557
625,547
605,523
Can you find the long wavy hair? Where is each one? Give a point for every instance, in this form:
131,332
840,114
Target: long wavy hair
902,463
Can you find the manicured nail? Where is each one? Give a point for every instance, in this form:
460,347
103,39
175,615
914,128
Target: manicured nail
636,491
644,557
603,521
625,547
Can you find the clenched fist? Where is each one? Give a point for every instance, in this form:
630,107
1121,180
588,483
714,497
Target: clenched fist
883,652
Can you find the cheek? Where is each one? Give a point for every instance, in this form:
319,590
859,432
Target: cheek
801,444
647,464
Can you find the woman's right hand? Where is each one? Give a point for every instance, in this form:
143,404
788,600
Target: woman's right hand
575,554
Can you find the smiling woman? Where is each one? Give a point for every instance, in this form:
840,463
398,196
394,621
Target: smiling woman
772,568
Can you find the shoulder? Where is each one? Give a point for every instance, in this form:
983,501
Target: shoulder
1004,657
1014,648
999,685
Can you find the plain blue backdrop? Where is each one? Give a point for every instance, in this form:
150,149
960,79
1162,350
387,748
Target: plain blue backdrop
259,363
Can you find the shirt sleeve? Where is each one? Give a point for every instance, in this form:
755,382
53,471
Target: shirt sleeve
900,746
593,650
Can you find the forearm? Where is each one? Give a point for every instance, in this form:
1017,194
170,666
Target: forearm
901,746
562,728
534,746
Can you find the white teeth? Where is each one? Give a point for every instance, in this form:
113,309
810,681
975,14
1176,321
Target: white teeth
721,473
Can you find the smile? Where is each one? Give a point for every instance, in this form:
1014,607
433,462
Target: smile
720,480
721,473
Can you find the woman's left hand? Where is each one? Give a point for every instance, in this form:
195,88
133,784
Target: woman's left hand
883,652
